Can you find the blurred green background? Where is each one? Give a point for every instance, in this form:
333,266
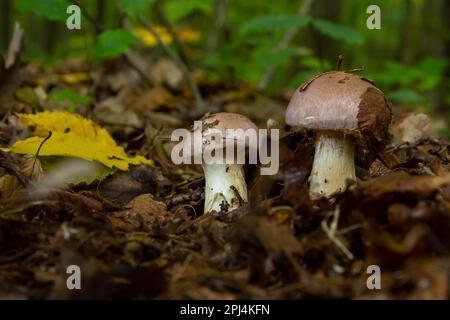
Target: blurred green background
240,42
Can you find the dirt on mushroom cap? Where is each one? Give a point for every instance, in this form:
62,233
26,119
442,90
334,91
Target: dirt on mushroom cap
333,101
227,120
342,101
220,122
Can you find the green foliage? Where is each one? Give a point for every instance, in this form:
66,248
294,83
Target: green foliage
49,9
430,72
69,98
68,95
413,80
274,57
405,96
178,9
113,43
28,95
408,66
337,31
269,22
426,74
134,7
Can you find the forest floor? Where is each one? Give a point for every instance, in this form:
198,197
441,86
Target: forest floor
142,233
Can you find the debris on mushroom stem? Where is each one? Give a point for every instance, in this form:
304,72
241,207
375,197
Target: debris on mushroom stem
350,115
333,164
225,184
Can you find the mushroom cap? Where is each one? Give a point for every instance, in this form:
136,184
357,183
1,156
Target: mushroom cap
339,101
343,102
217,125
227,120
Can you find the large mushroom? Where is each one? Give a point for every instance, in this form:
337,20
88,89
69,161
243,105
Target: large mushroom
225,186
345,111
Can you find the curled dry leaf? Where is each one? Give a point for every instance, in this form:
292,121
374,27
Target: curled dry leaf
402,183
166,72
28,169
410,128
153,99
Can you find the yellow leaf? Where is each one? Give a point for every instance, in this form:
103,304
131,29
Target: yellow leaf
73,136
74,78
148,40
189,35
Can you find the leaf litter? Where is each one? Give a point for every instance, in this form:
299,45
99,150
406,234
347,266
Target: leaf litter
140,232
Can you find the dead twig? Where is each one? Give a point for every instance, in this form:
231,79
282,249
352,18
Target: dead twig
331,230
15,46
160,13
184,69
37,152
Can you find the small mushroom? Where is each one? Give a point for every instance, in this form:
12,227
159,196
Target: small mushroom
225,186
344,110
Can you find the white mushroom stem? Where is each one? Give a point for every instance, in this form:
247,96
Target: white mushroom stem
334,163
225,187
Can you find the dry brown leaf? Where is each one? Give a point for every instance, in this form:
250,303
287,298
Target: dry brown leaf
153,99
410,128
166,72
402,182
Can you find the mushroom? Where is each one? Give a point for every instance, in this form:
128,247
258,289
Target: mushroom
345,111
225,186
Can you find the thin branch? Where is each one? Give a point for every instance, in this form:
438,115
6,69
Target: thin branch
220,13
339,62
126,56
331,231
178,61
159,11
37,152
131,62
284,43
15,46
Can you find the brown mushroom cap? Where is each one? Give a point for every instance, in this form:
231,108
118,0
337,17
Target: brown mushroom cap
343,102
339,101
220,122
227,120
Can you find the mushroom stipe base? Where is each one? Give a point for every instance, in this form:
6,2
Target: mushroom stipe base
333,164
225,187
